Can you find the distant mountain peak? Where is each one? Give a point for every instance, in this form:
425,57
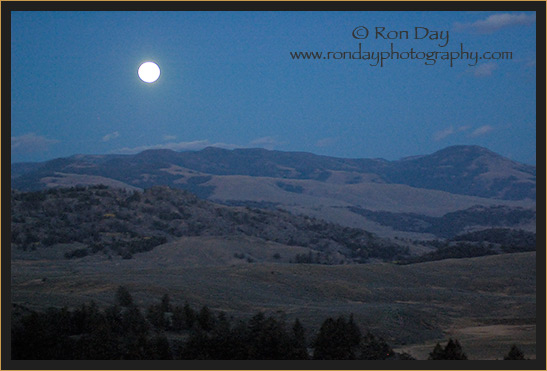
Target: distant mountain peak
471,149
213,149
156,151
463,169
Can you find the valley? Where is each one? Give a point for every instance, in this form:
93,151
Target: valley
418,250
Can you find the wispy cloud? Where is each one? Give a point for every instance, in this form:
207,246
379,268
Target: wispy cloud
326,142
169,137
481,131
483,70
442,134
265,142
111,136
28,143
496,22
177,146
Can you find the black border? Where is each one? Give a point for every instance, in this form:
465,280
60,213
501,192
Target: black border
8,7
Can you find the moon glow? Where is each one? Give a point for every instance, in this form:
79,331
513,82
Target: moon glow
149,72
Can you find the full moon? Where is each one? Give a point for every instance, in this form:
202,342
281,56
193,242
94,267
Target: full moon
149,72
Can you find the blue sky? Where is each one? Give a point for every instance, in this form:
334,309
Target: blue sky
228,79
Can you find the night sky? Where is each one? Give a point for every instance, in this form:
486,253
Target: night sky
228,80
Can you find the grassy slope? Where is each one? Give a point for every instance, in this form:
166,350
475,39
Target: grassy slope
330,200
409,305
369,195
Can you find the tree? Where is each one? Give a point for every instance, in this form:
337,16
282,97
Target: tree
99,344
123,297
189,315
113,316
452,351
373,347
515,354
298,342
178,322
134,322
267,338
337,340
156,316
437,353
354,334
160,348
205,319
165,305
197,345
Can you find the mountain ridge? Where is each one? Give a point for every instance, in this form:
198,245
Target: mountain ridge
466,170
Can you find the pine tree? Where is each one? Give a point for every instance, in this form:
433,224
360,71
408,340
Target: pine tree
134,322
452,351
514,354
123,297
374,348
322,344
336,340
354,333
155,316
165,305
298,342
179,319
189,315
205,319
160,348
437,353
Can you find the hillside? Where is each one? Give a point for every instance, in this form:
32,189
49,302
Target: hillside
119,222
388,198
454,223
488,302
73,245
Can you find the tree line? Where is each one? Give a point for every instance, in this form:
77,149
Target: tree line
168,332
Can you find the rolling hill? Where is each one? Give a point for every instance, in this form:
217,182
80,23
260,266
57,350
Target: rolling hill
350,192
113,221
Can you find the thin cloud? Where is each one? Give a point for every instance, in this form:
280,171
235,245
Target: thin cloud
28,143
326,142
481,131
496,22
111,136
169,137
440,135
265,142
178,146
